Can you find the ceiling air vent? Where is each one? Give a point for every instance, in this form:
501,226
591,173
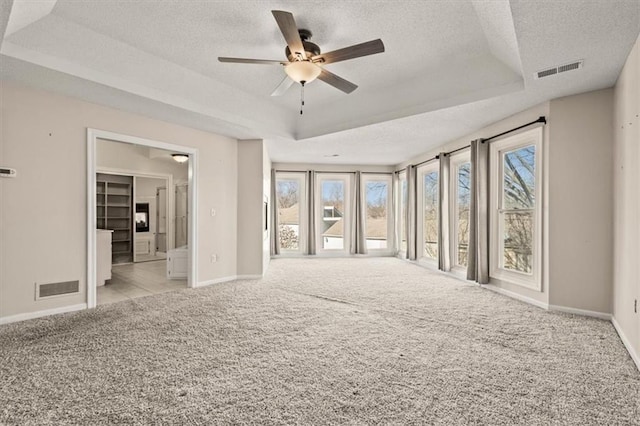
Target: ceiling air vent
557,70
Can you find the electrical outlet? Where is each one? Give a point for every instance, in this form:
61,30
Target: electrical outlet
213,212
214,258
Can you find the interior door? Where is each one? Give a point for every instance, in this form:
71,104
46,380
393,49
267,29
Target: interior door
182,204
161,233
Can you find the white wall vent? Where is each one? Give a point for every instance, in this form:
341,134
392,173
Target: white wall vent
56,289
559,69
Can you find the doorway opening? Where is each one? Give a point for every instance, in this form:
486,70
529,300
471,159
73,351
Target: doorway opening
141,217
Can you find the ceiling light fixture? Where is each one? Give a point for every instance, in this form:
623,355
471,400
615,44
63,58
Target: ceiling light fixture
180,158
303,72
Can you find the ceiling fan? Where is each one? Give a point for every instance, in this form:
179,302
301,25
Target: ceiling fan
304,58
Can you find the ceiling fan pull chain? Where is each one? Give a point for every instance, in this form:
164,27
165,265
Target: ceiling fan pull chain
302,96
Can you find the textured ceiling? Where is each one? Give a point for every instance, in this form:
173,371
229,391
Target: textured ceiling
448,69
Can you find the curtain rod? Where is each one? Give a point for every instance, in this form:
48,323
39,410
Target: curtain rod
541,119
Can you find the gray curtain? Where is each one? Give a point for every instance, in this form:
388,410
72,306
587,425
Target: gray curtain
274,226
444,252
411,214
478,255
392,238
311,212
358,236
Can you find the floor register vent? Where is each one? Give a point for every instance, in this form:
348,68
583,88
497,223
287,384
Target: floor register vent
559,69
57,289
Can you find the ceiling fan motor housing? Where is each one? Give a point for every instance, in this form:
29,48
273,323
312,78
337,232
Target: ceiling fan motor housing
310,49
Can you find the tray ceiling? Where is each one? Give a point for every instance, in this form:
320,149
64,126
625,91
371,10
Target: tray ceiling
448,69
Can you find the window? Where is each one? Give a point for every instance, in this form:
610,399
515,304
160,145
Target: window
403,194
333,213
291,207
460,203
377,198
428,196
516,209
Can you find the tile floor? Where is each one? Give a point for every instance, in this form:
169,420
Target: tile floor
137,280
148,257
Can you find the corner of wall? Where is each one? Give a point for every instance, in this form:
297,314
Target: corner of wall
626,202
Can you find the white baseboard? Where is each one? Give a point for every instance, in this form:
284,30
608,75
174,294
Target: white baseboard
44,313
216,281
626,342
516,296
249,277
583,312
227,279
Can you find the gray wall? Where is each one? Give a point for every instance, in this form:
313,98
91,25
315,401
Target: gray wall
250,207
581,201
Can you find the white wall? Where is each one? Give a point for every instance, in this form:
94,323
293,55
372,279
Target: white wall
43,210
626,254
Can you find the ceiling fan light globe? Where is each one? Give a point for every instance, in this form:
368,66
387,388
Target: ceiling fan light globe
300,71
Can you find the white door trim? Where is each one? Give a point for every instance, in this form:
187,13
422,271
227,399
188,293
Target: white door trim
92,136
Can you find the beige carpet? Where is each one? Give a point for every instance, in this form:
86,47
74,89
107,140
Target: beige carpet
319,341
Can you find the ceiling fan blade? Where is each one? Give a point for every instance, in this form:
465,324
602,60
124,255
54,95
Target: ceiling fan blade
363,49
251,61
337,82
283,86
290,31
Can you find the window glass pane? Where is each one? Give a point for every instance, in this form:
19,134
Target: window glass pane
288,196
404,193
518,193
462,211
332,214
376,224
430,215
518,241
519,179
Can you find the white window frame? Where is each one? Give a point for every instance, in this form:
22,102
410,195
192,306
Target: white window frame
365,178
497,151
402,177
302,211
346,178
420,174
456,160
